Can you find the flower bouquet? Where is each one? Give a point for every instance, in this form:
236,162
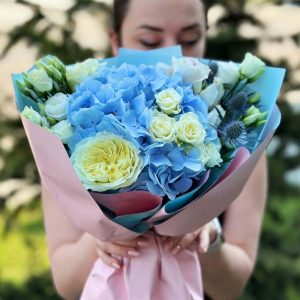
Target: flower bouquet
147,141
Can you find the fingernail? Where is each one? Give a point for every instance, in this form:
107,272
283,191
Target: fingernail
116,266
143,244
133,253
176,250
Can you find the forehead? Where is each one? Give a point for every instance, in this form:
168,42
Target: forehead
165,13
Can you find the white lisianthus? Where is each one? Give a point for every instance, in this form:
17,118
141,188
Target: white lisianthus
167,69
56,106
169,101
30,114
78,72
189,129
214,117
228,72
252,67
106,162
162,127
40,80
210,155
191,69
213,93
63,130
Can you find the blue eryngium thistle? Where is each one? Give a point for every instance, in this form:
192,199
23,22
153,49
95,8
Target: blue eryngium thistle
237,103
233,134
213,72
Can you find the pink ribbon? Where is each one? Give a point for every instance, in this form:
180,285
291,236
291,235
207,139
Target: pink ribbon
155,275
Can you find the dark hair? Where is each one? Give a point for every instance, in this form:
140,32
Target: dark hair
120,8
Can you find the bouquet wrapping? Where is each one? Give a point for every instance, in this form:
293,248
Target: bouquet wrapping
147,141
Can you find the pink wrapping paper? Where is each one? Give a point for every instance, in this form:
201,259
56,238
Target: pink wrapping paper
62,182
155,275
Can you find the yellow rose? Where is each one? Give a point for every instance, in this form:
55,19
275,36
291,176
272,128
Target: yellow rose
189,129
169,101
162,127
106,162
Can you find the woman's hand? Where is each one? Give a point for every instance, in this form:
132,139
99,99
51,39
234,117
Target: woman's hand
107,251
203,237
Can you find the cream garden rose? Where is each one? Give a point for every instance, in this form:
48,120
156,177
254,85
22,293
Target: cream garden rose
106,162
162,127
169,101
189,129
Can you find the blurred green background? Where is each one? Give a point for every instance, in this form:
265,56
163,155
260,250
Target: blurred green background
76,29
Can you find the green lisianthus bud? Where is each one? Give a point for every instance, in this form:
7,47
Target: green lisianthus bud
253,116
57,63
254,98
54,73
259,123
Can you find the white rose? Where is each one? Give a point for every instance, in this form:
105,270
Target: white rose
210,155
228,72
252,67
56,106
162,127
213,93
63,130
189,129
169,101
40,80
78,72
191,69
31,115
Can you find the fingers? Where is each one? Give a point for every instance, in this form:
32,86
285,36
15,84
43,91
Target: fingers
203,240
130,249
108,259
113,248
177,244
141,242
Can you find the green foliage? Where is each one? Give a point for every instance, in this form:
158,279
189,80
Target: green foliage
277,274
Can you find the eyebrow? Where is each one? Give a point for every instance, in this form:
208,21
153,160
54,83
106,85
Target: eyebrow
158,29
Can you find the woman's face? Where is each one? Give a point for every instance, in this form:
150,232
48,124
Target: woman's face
151,24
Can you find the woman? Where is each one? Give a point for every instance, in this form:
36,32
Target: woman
144,24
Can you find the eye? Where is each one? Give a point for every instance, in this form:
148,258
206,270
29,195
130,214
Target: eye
189,39
190,43
149,44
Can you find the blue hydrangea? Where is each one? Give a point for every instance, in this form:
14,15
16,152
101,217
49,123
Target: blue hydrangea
121,100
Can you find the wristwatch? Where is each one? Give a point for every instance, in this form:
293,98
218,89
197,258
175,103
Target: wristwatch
219,240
